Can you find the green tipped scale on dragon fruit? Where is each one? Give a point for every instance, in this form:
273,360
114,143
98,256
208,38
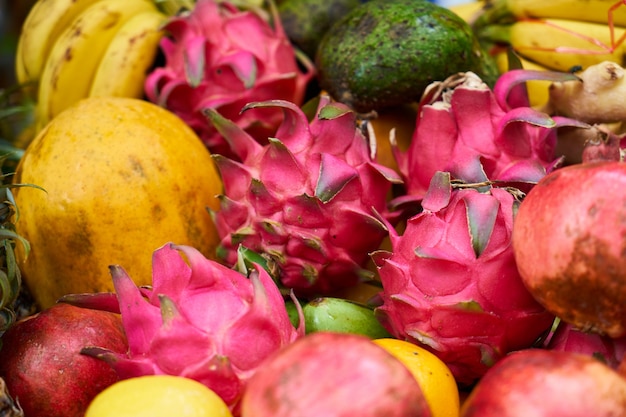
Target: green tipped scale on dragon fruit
197,321
308,200
450,282
211,63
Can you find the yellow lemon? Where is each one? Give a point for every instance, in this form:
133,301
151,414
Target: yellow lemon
157,396
122,177
432,374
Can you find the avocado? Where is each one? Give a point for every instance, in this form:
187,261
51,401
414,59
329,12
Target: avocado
384,53
306,21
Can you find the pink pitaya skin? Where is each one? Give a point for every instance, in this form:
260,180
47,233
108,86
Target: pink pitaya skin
220,57
451,283
463,128
310,199
200,320
568,338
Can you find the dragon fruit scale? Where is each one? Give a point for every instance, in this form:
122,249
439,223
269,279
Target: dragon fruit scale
197,320
221,57
450,282
309,200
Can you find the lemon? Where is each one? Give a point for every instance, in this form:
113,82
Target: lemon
122,177
157,396
432,374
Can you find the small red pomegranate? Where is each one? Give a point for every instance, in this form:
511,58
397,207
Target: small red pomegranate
569,241
333,374
43,368
548,383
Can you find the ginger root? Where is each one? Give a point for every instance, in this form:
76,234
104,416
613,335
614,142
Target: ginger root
598,97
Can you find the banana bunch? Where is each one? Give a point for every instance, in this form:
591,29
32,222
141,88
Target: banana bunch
560,35
73,49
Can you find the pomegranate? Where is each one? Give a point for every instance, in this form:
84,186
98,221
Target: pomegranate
333,374
606,349
43,368
547,383
569,241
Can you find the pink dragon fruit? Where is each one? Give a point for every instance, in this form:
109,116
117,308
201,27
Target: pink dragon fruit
472,132
308,200
450,282
197,321
220,57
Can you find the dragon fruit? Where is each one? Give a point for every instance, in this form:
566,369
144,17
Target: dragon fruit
218,56
308,201
450,282
477,135
196,321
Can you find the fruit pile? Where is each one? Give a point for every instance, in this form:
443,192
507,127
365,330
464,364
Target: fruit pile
314,207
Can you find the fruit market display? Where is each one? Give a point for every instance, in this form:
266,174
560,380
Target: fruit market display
307,207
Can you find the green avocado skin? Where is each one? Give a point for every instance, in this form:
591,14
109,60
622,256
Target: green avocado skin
306,21
386,52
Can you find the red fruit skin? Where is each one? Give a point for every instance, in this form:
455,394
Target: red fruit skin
546,383
41,362
569,241
333,374
606,349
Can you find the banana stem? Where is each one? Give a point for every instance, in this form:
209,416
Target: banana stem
494,12
174,7
495,33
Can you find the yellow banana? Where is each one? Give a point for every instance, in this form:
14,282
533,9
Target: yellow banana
122,70
584,10
76,54
562,44
44,23
538,92
468,11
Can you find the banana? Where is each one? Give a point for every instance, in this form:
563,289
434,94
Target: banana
122,70
43,24
76,54
468,11
559,44
583,10
538,93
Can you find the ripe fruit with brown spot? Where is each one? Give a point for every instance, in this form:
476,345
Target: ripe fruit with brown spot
548,383
569,240
121,177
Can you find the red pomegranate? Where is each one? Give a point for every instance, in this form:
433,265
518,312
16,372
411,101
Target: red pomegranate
547,383
45,372
333,374
569,240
